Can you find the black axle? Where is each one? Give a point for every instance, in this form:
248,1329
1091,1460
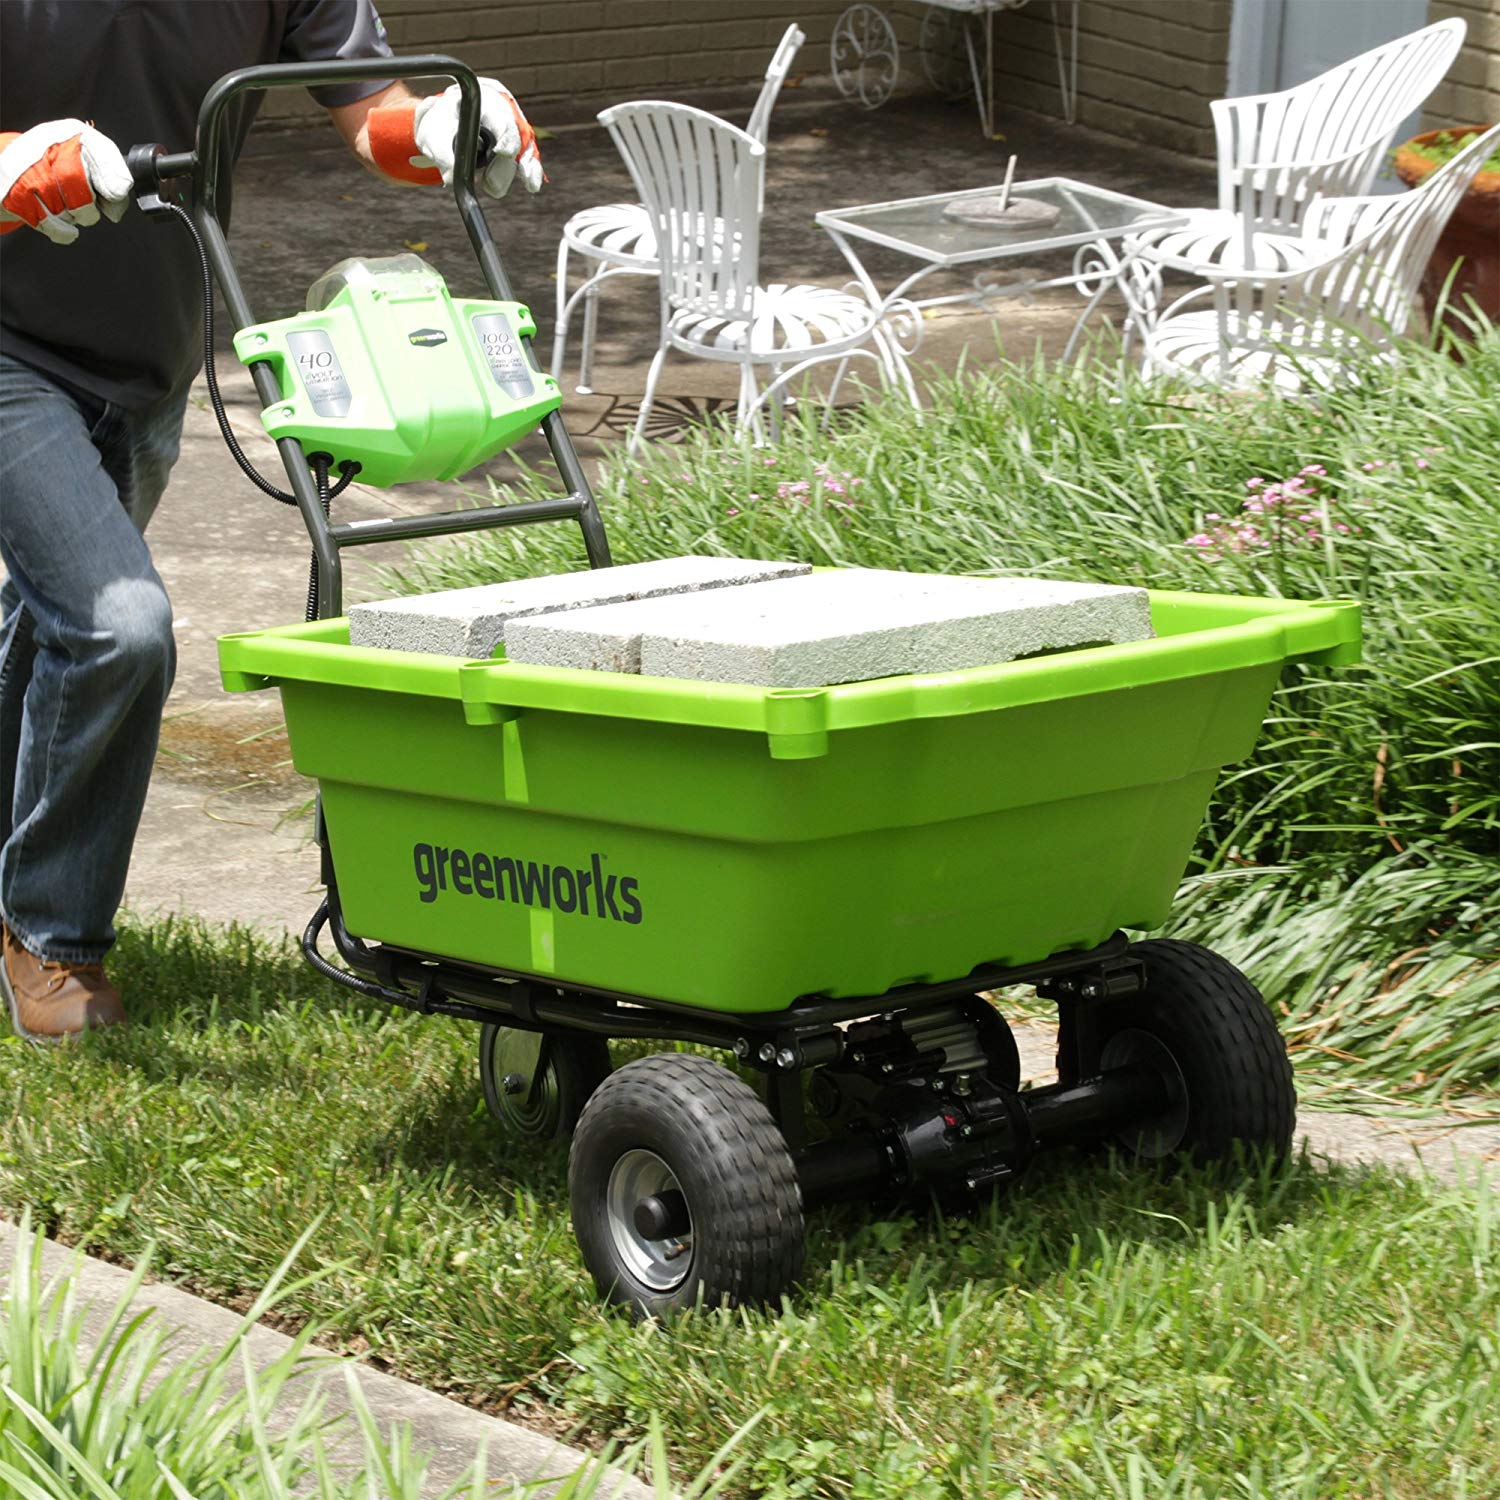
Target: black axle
663,1216
928,1134
948,1143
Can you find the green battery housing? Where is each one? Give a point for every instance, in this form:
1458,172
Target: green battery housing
386,368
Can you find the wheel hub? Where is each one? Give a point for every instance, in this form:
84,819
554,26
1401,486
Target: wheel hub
649,1220
530,1094
1163,1133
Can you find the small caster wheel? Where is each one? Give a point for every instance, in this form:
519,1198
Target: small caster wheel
537,1082
683,1190
1205,1027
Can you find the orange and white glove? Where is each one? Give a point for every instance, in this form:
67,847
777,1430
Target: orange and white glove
59,175
414,139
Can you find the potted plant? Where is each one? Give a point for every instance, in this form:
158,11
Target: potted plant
1472,234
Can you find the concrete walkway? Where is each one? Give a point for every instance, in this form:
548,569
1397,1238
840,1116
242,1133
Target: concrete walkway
448,1434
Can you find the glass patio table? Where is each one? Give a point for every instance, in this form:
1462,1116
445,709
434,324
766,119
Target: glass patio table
1091,221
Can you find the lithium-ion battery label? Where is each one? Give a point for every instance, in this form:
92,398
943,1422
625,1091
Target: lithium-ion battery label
503,354
322,374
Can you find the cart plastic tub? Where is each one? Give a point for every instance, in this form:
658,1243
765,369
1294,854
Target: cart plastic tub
736,848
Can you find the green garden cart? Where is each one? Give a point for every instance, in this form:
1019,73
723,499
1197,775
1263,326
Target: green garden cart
825,885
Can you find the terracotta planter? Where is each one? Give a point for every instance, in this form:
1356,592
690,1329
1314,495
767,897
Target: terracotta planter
1473,233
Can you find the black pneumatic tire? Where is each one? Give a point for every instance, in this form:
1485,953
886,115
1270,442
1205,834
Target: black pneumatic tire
687,1117
1231,1062
573,1066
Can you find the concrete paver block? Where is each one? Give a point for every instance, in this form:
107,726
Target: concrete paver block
827,628
472,622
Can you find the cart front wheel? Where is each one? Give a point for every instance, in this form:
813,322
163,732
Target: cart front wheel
683,1190
535,1082
1205,1028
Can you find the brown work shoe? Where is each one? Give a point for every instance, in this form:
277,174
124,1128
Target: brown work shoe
50,1001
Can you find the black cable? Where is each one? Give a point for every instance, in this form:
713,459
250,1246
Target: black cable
317,462
347,469
336,974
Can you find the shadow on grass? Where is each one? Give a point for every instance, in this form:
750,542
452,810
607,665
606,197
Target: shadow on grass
1063,1210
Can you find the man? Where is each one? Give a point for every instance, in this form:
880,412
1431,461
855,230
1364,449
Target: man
99,342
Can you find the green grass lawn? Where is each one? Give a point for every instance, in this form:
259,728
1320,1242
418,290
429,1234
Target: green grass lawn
1099,1331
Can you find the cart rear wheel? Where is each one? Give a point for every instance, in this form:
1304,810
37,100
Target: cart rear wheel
1212,1036
683,1190
536,1082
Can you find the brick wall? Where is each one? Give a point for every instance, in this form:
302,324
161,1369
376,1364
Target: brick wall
560,49
1146,68
1470,94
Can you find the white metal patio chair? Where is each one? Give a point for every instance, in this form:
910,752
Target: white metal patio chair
618,239
1344,306
1278,152
704,183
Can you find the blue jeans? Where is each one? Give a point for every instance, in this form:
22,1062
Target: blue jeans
86,652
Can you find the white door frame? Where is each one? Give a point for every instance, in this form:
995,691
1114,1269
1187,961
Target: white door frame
1257,54
1254,46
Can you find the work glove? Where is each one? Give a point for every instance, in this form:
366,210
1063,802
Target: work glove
414,139
58,175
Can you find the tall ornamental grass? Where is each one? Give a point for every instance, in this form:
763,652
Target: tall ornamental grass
119,1415
1366,823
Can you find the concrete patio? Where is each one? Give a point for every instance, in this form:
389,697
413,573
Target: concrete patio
823,153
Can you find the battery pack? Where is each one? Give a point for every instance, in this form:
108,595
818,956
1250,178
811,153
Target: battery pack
386,368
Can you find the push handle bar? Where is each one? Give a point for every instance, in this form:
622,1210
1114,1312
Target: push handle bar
203,165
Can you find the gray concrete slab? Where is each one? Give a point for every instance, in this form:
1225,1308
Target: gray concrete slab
827,628
473,622
449,1434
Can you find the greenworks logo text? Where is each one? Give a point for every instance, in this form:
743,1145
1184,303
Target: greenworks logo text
524,882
